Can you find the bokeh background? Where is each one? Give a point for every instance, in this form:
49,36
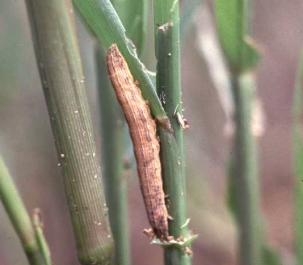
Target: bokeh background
27,146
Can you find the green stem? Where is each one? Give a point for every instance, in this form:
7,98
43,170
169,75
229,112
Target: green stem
19,217
38,226
174,184
166,21
234,23
298,94
245,174
113,142
61,73
297,158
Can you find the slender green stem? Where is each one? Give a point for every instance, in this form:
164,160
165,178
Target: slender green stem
20,219
298,93
59,62
297,158
38,226
168,75
234,24
174,184
244,179
166,21
113,142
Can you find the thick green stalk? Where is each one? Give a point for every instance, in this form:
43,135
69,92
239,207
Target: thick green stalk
168,63
174,184
166,21
244,180
113,149
298,157
20,219
59,62
103,20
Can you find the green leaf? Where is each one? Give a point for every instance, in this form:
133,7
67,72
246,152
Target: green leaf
270,256
103,20
133,15
239,49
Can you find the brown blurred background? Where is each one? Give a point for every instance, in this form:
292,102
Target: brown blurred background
27,146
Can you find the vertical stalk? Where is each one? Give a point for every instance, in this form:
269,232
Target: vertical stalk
167,32
38,226
297,158
244,179
174,184
20,219
113,148
61,73
234,25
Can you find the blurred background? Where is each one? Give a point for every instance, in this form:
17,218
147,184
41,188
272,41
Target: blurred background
27,146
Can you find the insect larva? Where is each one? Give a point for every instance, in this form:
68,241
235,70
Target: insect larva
142,129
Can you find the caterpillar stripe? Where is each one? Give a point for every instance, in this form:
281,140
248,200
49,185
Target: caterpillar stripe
142,129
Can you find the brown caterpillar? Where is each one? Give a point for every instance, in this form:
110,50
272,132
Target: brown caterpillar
142,129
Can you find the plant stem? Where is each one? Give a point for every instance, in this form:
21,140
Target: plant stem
174,187
298,93
19,217
297,158
113,143
166,21
234,24
168,70
61,73
38,226
245,174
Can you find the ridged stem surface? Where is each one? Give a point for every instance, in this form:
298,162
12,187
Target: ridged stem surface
167,37
60,68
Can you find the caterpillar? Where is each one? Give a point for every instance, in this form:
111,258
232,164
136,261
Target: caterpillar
142,130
